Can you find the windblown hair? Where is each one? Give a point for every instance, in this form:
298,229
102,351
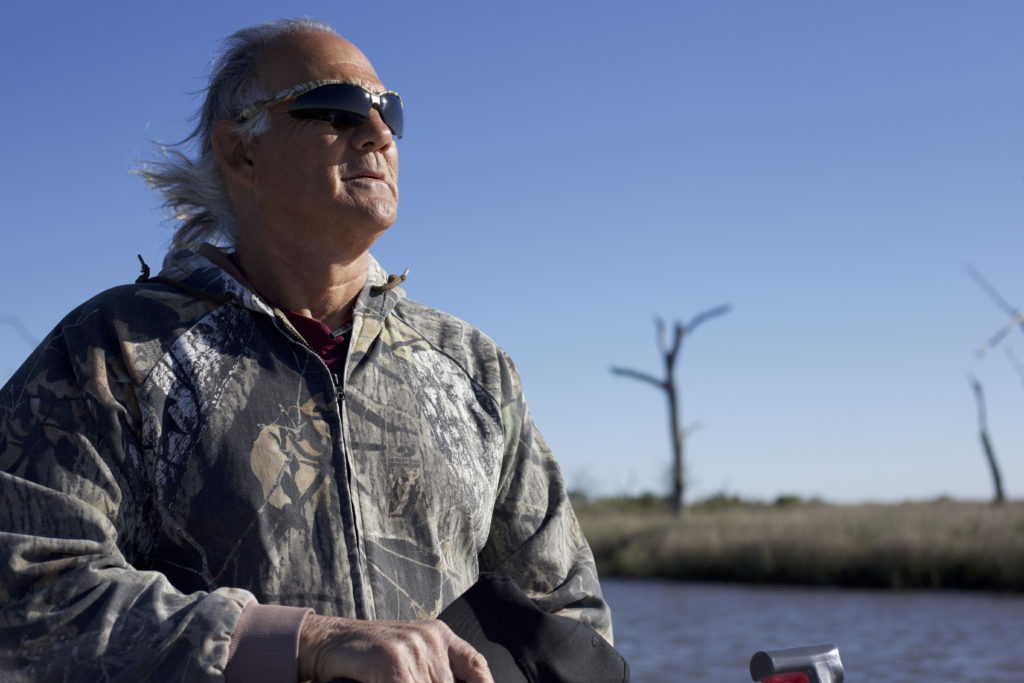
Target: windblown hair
193,188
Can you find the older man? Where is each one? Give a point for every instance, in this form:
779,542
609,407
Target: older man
266,463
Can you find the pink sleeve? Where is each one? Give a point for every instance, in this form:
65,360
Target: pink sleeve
265,644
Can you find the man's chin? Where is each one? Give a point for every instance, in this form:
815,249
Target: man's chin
373,220
382,214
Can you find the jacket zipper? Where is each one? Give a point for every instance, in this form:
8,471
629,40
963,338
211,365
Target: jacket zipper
363,606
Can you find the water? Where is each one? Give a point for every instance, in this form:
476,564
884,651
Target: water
707,632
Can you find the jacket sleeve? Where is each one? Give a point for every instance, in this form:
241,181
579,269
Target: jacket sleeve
73,513
535,537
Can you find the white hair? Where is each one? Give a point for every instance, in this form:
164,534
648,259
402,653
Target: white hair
193,188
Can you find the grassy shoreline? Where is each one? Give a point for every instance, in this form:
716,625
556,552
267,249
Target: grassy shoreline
938,544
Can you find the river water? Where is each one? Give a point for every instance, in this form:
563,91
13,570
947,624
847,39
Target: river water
674,632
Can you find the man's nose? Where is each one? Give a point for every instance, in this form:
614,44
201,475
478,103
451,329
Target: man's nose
372,133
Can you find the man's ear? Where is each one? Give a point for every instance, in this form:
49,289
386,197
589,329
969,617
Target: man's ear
232,150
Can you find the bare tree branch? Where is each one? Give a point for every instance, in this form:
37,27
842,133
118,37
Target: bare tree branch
635,374
680,331
22,331
707,315
987,287
994,340
1016,316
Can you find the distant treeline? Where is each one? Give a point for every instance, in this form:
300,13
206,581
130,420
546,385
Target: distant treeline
938,544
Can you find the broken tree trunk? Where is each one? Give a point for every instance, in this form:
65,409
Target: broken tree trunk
986,443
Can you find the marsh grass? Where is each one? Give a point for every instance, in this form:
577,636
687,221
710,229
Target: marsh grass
940,544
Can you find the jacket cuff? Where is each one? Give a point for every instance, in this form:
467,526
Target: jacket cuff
265,644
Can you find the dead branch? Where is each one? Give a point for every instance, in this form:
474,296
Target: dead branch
1016,316
635,374
19,328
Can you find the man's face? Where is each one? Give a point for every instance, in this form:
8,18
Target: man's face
314,182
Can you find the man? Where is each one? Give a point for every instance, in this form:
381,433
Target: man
266,463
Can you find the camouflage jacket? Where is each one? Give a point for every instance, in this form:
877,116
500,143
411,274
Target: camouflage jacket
174,450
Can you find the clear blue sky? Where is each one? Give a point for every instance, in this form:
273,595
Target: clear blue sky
573,169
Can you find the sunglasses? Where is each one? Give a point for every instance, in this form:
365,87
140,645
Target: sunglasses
344,105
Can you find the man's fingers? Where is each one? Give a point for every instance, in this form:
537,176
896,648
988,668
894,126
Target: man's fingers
387,652
467,664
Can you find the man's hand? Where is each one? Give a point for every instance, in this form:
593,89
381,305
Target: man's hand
386,652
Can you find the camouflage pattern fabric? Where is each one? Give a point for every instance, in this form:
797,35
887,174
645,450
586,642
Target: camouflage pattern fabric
173,451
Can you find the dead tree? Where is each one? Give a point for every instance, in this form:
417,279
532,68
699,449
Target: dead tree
676,432
986,443
1016,320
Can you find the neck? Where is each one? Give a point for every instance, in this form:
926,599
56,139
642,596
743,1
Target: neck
304,281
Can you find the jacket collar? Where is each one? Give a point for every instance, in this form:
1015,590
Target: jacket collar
208,272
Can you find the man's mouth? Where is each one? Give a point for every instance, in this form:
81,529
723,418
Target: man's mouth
366,175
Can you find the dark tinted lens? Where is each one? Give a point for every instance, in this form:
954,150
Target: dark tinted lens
336,117
342,96
347,105
345,119
391,112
